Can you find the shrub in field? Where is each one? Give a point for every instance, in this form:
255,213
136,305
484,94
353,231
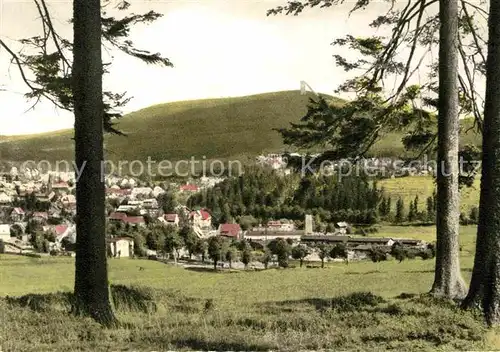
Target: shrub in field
398,252
246,256
231,255
216,249
266,257
339,251
281,249
425,254
377,255
356,301
299,253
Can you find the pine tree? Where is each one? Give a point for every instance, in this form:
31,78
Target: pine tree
411,212
430,210
383,207
400,210
388,206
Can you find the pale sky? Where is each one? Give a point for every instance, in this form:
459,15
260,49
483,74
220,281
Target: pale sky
219,48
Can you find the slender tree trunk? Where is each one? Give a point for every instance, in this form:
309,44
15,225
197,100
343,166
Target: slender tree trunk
215,264
485,282
322,263
301,262
91,275
448,281
475,295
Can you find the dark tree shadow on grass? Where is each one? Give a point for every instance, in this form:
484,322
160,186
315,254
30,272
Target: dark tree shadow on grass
203,345
469,270
364,272
139,299
123,297
59,301
212,271
349,303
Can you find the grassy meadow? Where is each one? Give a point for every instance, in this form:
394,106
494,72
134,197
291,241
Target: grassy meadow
360,306
423,186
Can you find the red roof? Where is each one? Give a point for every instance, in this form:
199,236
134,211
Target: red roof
232,230
19,211
60,185
117,216
171,217
205,215
134,219
60,229
193,188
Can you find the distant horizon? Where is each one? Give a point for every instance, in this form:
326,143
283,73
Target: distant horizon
218,49
169,102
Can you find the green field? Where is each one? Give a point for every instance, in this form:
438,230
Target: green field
423,186
227,128
291,309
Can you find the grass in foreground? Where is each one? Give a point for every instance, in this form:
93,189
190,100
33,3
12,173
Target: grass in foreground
164,307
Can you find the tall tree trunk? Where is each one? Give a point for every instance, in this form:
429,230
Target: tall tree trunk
485,282
448,281
91,275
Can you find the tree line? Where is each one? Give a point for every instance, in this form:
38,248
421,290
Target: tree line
265,195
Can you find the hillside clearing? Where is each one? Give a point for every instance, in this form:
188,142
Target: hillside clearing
423,186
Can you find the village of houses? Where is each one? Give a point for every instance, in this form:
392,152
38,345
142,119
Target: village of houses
134,202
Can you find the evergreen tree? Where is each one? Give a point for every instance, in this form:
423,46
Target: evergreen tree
400,207
411,212
431,215
415,206
388,206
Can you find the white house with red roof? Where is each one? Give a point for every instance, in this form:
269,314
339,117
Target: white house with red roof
134,221
17,214
61,187
117,216
230,230
200,218
40,216
171,219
